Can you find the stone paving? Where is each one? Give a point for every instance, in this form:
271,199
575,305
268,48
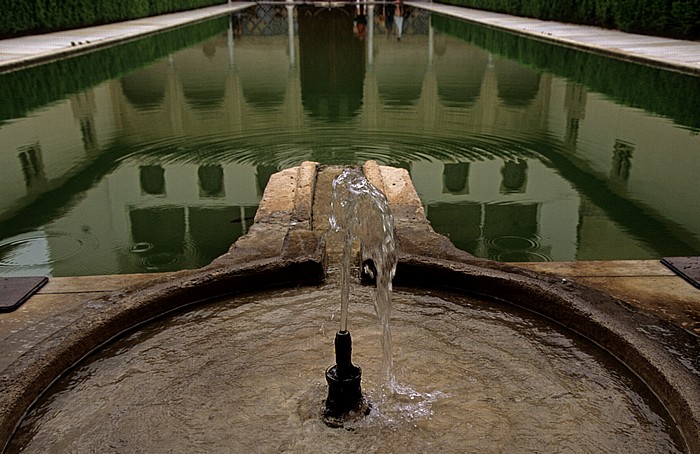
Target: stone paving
31,50
675,54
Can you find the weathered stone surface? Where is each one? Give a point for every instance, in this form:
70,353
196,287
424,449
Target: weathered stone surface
304,195
277,202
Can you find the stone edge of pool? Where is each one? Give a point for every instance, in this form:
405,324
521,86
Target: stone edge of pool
26,51
665,53
282,249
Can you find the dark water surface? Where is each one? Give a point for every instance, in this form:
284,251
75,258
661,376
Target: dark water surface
153,155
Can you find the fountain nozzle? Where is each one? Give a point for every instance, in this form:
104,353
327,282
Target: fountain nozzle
345,401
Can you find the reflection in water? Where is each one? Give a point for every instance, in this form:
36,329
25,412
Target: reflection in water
32,166
152,179
211,180
514,177
517,84
332,61
512,163
456,178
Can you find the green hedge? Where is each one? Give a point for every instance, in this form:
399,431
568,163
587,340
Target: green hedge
24,90
21,17
675,18
667,93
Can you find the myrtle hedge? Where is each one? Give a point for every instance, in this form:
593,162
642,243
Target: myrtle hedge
666,93
20,17
24,90
675,18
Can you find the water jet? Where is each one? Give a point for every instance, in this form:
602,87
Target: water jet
362,213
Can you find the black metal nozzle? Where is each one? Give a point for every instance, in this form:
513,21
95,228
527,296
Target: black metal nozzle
345,401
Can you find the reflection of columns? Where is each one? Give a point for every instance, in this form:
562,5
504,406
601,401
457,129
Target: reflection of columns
370,36
233,102
429,104
431,42
371,105
83,107
290,31
229,41
293,104
174,98
488,103
621,164
540,107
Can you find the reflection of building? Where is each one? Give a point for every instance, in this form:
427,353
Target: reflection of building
220,112
575,105
496,214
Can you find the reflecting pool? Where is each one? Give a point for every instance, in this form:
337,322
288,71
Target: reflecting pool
153,155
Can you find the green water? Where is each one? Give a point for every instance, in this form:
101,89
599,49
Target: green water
152,156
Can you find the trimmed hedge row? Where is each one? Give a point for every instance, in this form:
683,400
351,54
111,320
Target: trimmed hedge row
675,18
667,93
22,17
26,89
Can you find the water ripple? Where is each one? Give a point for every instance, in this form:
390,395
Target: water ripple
329,145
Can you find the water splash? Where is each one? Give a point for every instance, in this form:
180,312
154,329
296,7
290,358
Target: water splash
362,212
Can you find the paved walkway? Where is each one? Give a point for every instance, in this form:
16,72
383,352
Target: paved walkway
31,50
679,55
668,53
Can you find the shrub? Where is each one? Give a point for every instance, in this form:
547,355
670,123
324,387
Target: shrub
22,17
675,18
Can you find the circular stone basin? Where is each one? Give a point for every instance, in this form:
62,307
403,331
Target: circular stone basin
246,374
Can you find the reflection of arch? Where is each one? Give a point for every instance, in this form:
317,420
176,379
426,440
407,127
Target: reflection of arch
514,176
158,235
202,98
263,70
145,88
510,232
214,230
400,86
203,74
517,84
510,220
400,70
459,76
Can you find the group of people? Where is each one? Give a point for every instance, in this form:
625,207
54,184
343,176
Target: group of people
390,18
